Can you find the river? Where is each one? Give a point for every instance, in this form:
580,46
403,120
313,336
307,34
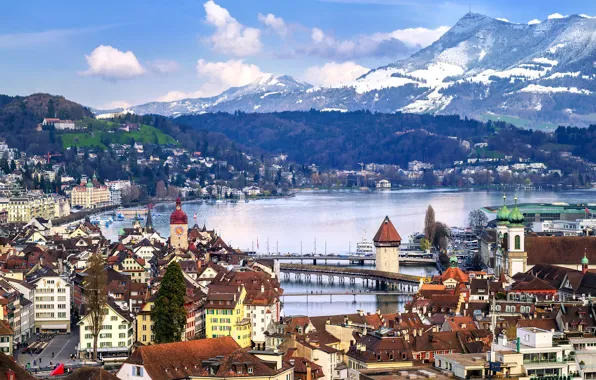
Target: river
332,222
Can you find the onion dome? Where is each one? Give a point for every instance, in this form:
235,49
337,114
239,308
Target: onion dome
178,216
121,232
516,217
503,214
585,259
453,261
89,184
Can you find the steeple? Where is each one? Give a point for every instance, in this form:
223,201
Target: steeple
503,214
149,224
585,262
516,217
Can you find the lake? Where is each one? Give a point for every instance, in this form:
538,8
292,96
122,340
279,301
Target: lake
333,221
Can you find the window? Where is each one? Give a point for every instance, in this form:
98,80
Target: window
137,371
517,242
62,315
113,318
144,327
122,335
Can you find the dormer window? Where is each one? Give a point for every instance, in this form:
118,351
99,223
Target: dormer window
249,370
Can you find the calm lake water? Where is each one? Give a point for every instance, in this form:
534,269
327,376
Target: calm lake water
333,221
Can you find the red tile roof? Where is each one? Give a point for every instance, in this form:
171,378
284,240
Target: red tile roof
387,233
456,274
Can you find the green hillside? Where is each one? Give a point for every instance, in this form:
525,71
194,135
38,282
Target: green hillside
100,133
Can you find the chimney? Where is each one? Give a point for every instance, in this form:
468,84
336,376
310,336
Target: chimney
378,312
361,313
308,372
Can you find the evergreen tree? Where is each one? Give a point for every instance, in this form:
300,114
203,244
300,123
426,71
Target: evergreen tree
51,110
169,315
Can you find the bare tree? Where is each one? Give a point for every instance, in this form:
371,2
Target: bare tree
476,220
430,224
96,295
160,189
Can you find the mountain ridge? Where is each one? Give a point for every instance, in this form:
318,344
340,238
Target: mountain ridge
481,67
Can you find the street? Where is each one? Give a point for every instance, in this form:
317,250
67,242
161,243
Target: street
62,346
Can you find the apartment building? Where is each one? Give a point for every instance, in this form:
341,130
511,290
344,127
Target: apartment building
51,302
22,208
116,336
225,314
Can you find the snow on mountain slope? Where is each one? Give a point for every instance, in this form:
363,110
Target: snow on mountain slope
538,71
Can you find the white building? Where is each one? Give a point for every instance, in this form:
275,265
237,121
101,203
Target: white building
540,355
52,302
116,336
383,184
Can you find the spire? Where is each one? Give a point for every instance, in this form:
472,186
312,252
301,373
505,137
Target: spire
149,224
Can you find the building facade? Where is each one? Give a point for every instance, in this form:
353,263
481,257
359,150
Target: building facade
387,242
116,336
52,304
90,194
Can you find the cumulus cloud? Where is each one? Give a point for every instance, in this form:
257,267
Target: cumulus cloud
555,16
116,104
112,64
333,73
276,23
164,66
397,43
230,36
219,76
534,22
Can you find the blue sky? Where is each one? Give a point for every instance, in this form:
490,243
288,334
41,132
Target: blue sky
112,53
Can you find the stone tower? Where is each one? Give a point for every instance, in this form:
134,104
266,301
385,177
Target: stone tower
179,228
387,242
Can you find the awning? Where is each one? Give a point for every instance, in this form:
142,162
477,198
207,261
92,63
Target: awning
54,327
109,349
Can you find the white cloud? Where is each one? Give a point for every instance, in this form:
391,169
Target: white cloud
333,73
231,37
397,43
164,66
555,16
414,37
116,104
219,77
276,23
502,19
534,22
110,63
317,35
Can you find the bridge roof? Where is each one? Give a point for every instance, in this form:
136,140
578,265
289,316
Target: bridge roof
387,233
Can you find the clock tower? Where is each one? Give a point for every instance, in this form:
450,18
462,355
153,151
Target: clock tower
179,228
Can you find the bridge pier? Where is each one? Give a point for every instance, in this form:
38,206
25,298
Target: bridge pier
342,280
331,279
307,277
320,278
352,280
297,276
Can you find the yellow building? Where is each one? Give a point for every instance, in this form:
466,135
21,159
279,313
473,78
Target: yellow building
145,332
224,314
22,209
90,194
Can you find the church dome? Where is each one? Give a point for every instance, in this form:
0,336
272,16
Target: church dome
585,260
453,261
178,216
503,214
516,217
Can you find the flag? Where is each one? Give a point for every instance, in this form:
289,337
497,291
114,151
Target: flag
257,243
195,216
587,210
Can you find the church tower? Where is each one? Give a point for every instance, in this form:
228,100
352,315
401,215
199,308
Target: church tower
387,242
517,257
502,226
179,228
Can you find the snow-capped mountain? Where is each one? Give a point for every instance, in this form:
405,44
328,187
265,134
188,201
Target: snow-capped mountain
482,67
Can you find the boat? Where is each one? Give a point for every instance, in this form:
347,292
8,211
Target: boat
365,247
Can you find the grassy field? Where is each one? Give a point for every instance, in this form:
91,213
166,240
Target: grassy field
101,133
519,122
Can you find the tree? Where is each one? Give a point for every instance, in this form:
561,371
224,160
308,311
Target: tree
424,244
429,224
476,220
96,295
442,234
160,190
169,315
